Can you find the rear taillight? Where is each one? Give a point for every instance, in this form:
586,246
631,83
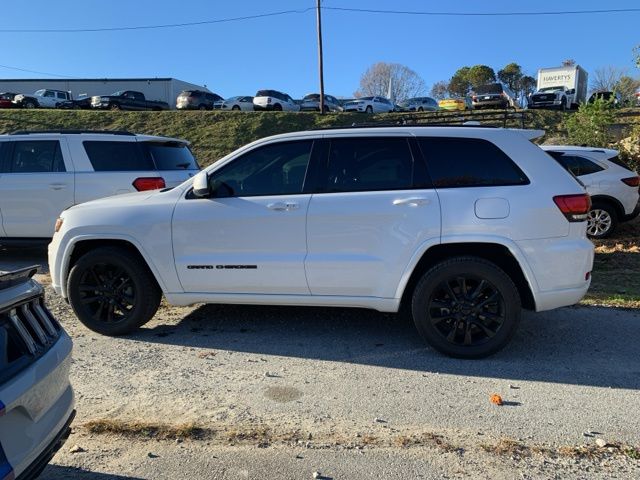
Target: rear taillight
574,207
474,98
148,183
632,181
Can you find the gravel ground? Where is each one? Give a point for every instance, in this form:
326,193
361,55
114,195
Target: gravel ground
283,392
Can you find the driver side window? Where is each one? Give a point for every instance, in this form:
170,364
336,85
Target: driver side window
276,169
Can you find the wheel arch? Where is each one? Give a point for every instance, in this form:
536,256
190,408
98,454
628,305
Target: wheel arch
610,200
83,245
501,255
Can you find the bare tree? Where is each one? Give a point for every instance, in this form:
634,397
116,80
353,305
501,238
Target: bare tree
605,79
439,90
405,83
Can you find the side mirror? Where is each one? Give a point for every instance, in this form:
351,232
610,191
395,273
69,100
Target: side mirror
201,185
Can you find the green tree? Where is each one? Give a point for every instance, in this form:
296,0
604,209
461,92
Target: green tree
459,84
528,84
627,87
590,124
511,75
480,75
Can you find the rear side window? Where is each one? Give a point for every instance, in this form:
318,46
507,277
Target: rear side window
32,157
361,164
171,156
621,163
469,162
578,165
117,156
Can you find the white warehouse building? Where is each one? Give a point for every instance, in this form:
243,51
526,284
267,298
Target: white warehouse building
164,89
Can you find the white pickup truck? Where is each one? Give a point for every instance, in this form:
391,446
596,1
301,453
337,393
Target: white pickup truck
44,98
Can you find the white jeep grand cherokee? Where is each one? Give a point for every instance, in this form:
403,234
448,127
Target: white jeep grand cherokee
463,226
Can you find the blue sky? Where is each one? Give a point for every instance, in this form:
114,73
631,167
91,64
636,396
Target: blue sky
238,58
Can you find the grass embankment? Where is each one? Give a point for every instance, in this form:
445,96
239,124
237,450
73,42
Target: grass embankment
616,281
215,134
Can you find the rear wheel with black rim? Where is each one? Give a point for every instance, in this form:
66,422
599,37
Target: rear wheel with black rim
466,307
369,109
235,107
277,107
112,291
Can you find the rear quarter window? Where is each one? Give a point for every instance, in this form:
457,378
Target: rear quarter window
171,156
469,162
107,156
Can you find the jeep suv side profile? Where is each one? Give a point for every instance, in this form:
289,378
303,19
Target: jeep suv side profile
463,226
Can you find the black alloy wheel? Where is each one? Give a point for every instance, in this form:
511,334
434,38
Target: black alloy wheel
466,307
112,291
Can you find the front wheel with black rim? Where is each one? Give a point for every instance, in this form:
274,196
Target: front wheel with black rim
602,220
112,291
466,307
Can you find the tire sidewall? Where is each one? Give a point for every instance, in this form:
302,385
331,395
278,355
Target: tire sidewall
469,266
132,267
612,214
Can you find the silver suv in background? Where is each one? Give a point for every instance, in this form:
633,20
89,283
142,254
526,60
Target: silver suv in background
311,103
493,95
198,100
36,398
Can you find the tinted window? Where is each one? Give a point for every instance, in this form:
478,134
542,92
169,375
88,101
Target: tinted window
274,169
359,164
488,89
35,156
621,163
49,94
578,165
61,95
469,162
171,156
117,156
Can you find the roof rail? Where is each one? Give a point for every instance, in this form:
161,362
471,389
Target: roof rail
72,131
401,124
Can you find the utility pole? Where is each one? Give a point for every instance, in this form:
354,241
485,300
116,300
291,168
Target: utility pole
320,68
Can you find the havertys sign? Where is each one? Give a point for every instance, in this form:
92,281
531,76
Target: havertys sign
572,77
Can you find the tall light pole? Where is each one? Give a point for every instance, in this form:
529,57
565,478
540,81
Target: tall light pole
320,68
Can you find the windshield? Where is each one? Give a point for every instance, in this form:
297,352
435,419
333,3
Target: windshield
313,96
550,89
118,93
364,98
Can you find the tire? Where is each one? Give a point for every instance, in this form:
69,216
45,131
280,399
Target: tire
420,109
469,324
202,107
369,109
114,106
563,104
602,220
277,107
30,104
235,107
104,306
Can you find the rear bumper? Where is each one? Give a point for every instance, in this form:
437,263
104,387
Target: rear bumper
632,215
39,464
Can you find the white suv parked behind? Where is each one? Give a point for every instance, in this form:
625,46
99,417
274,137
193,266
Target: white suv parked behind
42,173
613,186
462,225
274,100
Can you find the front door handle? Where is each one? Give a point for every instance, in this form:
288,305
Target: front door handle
412,202
57,186
282,206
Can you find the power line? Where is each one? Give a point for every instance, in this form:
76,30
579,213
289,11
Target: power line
150,27
305,10
34,71
483,14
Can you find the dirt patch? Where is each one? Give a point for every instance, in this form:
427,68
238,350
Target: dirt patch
282,394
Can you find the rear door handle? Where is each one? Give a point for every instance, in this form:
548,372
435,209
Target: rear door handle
282,206
57,186
412,202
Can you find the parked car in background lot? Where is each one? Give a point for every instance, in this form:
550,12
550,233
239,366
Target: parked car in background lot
442,218
79,104
419,104
612,97
612,184
6,100
311,102
493,95
127,100
41,174
198,100
274,100
369,105
36,398
238,103
460,103
45,98
551,97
